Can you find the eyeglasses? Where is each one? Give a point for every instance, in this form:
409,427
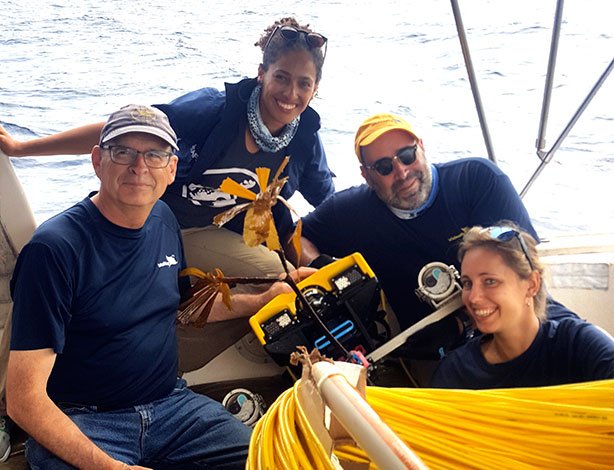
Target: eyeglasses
292,33
384,166
127,156
506,234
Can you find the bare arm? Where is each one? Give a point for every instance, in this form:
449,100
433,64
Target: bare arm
77,141
245,305
309,251
32,409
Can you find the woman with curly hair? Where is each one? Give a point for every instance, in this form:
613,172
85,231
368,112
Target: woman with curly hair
253,123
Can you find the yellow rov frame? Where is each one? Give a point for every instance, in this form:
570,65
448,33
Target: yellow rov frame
346,296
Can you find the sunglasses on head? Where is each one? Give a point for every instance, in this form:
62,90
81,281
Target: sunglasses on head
292,33
505,234
384,166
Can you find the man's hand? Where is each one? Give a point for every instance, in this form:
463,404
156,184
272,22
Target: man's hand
245,305
299,274
282,287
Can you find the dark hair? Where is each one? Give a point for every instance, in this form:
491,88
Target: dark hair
512,254
277,46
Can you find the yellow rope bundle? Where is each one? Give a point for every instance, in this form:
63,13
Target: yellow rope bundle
284,439
566,426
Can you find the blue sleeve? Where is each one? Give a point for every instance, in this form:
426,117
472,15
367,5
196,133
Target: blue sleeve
42,289
317,179
322,227
493,198
194,112
557,311
591,350
193,117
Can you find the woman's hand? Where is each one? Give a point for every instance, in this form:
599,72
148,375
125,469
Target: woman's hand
9,145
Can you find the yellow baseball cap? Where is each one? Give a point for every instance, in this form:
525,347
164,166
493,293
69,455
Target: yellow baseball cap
377,125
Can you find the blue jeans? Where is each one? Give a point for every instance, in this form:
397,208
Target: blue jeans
181,431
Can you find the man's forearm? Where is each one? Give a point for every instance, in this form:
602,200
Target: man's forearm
245,305
31,408
52,429
309,252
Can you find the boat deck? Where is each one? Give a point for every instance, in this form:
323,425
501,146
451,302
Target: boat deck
17,460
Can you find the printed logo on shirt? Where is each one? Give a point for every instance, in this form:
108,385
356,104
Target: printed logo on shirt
170,261
210,195
193,152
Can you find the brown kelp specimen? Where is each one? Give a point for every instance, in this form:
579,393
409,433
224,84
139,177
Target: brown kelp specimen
196,309
259,226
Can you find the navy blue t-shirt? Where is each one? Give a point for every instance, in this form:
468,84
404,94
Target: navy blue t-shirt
104,298
471,191
564,351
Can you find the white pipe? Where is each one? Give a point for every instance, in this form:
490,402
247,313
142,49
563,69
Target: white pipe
365,426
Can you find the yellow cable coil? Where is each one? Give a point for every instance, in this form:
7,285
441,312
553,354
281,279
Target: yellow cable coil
565,426
284,439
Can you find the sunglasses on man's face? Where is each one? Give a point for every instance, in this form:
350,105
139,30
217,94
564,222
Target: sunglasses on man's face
505,234
291,34
385,165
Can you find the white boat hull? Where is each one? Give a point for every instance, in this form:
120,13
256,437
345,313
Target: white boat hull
580,274
16,227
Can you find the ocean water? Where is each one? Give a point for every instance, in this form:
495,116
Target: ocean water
65,63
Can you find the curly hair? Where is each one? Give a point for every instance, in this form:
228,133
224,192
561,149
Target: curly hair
512,254
275,47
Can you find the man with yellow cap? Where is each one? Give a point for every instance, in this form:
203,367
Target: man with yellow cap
410,212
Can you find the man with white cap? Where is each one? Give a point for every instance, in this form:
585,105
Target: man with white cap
409,213
92,374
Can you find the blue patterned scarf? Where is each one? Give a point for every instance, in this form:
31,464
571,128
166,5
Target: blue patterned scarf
261,134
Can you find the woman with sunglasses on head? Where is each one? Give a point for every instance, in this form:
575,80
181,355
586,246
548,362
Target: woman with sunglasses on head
504,293
253,123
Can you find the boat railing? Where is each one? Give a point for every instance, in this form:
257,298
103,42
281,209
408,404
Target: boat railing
544,156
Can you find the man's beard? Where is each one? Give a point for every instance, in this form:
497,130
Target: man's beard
411,201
